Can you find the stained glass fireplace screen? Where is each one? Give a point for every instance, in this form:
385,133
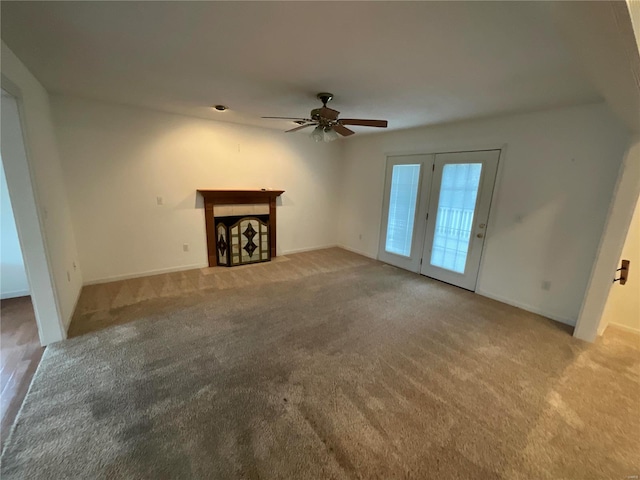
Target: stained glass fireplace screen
242,240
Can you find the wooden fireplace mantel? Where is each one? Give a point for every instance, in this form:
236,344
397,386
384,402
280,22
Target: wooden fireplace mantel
237,197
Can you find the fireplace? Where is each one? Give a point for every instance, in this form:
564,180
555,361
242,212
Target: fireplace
240,226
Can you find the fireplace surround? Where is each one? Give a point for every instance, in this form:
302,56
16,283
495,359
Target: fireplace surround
249,202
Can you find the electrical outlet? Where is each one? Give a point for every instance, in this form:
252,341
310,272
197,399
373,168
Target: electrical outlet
160,200
68,276
185,247
546,285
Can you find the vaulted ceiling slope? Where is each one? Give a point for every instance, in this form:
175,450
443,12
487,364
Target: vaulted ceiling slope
602,36
413,63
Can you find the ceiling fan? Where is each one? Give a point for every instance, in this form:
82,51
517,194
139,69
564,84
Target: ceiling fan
326,121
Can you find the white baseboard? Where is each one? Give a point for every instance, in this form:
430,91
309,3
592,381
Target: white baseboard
359,252
306,249
626,328
14,294
147,273
529,308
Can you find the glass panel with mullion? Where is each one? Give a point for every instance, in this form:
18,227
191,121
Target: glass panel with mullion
402,209
454,221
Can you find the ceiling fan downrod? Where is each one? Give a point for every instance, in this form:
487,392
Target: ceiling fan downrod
324,97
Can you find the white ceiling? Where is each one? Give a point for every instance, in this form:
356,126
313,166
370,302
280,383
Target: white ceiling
413,63
601,35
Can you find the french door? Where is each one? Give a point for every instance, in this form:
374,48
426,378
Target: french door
402,232
450,201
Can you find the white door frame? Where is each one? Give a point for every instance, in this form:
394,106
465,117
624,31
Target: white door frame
623,203
15,156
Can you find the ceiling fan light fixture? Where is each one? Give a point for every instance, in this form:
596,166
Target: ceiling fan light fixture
317,134
330,134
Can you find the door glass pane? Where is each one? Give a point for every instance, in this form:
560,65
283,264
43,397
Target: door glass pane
454,220
402,208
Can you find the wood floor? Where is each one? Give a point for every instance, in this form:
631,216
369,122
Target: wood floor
20,355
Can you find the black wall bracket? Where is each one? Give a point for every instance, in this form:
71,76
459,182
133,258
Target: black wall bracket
624,272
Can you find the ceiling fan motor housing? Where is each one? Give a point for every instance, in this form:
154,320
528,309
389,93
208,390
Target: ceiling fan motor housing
316,116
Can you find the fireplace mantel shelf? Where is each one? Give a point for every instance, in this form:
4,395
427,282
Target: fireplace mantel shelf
231,197
236,197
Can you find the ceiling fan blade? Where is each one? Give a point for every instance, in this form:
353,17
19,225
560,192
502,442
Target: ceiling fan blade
291,118
364,123
329,113
301,127
342,130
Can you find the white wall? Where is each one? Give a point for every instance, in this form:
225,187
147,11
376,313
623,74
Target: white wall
117,160
623,305
35,181
13,276
554,185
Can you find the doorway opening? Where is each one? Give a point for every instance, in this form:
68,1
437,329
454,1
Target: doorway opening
21,350
622,308
435,213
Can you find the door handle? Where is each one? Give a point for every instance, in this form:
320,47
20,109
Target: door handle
480,235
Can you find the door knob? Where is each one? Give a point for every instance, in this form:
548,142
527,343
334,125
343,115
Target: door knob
480,235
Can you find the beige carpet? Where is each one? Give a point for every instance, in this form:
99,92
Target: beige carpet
336,369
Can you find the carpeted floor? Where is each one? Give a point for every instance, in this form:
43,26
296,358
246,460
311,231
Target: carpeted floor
358,371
